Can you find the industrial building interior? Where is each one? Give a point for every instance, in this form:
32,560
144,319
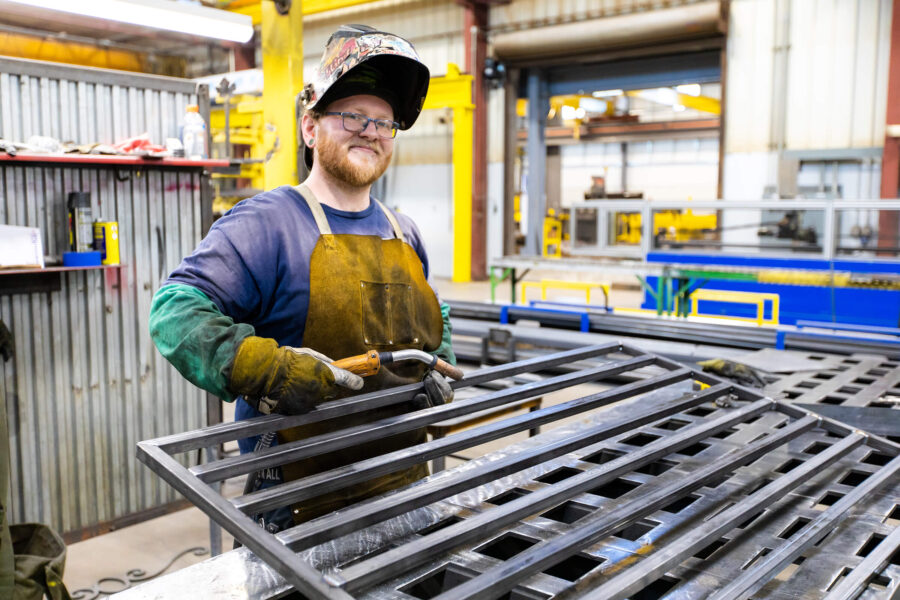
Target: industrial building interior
667,233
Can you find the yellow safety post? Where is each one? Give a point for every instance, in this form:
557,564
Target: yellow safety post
454,90
282,57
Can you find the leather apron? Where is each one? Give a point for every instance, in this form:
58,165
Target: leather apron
365,293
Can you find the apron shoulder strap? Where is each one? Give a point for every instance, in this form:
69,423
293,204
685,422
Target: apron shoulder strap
316,209
393,220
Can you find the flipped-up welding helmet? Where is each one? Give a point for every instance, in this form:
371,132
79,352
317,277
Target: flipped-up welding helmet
359,59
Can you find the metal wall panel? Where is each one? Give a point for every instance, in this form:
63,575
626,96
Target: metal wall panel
748,91
837,58
87,382
434,28
522,14
837,77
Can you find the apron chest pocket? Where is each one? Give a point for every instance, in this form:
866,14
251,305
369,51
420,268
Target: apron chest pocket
388,313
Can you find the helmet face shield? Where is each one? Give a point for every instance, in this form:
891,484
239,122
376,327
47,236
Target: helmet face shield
361,60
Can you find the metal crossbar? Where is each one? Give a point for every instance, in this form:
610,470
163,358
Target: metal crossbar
674,482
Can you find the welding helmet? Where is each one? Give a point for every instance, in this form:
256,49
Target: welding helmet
359,59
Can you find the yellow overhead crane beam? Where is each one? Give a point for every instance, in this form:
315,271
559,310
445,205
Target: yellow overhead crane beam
86,55
701,103
253,8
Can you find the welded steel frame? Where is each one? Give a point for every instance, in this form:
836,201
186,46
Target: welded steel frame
280,551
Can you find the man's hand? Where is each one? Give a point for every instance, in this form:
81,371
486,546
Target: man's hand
437,390
7,343
286,380
735,371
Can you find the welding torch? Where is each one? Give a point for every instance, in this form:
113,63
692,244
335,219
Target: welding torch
370,362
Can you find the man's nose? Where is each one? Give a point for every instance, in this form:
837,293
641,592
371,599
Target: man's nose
369,131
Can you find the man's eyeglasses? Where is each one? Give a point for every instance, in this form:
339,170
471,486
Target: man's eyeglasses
356,123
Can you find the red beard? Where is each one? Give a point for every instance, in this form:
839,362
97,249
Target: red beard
334,159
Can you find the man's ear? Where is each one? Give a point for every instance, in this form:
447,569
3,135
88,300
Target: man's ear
308,127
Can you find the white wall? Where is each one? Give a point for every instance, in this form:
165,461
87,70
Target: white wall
674,169
833,96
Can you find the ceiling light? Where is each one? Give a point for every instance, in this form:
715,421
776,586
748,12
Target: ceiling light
181,17
607,93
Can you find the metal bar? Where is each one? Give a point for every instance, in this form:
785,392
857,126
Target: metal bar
655,566
320,444
752,580
494,582
342,477
857,580
303,577
379,509
391,563
877,442
225,432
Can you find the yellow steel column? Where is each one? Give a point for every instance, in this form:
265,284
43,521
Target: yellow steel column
454,90
463,123
282,58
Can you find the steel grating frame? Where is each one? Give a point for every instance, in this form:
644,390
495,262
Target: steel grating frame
754,431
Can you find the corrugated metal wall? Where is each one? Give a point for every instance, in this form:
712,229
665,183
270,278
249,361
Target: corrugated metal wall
523,14
87,382
837,58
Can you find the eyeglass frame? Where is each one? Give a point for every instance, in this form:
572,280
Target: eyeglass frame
395,126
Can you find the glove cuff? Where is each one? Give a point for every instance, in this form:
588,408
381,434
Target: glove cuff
253,365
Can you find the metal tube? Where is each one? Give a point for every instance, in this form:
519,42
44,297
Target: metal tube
303,577
857,580
342,477
494,582
655,566
361,434
379,509
396,561
225,432
749,582
879,443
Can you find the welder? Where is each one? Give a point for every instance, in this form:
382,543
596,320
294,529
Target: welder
295,278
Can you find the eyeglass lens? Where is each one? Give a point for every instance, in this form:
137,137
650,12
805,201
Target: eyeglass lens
355,122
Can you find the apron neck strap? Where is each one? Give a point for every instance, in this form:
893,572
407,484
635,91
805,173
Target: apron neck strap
316,209
393,220
322,222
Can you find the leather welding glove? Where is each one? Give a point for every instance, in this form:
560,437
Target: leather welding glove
437,390
735,371
285,380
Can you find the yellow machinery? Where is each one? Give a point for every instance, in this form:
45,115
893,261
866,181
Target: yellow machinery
679,226
555,232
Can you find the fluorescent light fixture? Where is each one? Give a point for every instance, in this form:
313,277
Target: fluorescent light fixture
678,107
167,15
688,89
607,93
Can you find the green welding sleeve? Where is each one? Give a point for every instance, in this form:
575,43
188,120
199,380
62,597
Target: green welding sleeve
193,334
445,350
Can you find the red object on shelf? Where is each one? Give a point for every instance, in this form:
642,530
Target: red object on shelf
99,159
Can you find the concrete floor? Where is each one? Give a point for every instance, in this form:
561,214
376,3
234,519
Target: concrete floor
149,546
